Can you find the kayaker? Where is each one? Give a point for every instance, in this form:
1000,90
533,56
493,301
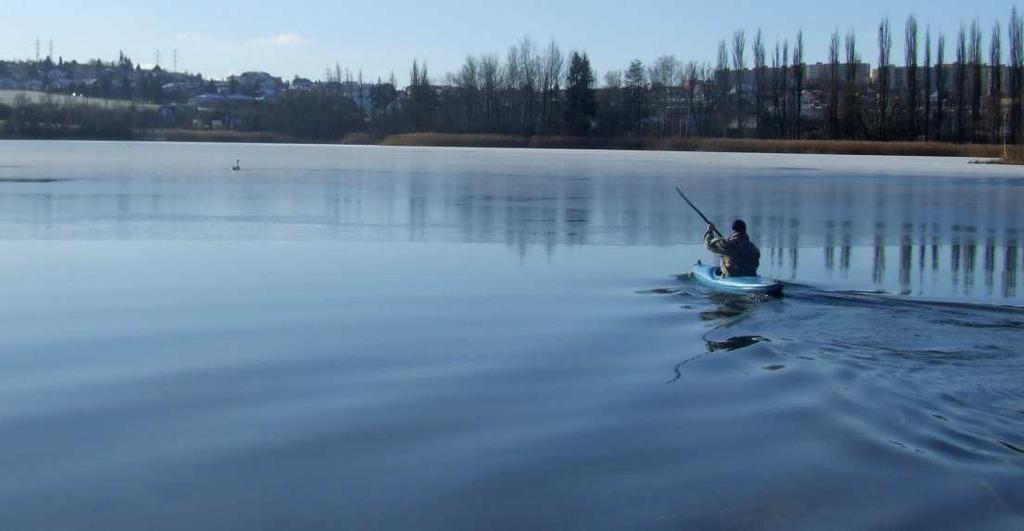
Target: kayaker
740,257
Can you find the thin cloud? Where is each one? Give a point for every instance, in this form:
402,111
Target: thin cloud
284,39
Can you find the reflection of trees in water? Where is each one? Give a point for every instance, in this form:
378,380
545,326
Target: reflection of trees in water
1010,270
962,266
845,253
830,249
990,264
917,248
906,262
540,211
878,267
794,247
970,251
954,261
922,257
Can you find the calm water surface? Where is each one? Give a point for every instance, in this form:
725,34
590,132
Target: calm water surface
366,338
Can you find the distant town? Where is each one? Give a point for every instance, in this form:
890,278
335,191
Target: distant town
958,90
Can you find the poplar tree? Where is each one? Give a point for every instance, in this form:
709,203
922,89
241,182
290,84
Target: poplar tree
851,111
739,47
910,59
927,83
1016,35
760,78
974,59
995,61
884,72
798,80
941,91
960,83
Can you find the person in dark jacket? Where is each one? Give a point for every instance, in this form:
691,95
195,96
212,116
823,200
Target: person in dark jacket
740,257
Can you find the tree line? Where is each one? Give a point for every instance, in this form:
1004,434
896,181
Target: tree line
949,90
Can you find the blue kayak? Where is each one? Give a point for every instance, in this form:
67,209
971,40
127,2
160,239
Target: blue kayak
711,277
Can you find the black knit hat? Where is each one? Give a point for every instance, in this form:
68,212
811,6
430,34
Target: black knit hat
739,226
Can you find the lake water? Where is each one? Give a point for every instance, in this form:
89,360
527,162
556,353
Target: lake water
380,338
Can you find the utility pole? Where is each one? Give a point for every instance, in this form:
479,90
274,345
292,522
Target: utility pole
158,57
37,49
51,50
175,60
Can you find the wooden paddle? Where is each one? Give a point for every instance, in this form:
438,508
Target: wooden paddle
699,213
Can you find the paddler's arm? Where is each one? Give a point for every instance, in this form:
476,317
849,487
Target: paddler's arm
715,245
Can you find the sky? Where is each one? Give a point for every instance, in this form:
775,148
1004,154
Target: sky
303,37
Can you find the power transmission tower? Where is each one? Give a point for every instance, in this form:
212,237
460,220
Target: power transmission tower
158,58
51,50
37,49
175,60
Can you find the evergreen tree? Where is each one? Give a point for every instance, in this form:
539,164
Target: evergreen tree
636,86
580,107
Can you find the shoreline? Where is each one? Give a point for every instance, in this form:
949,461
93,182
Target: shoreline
720,145
993,153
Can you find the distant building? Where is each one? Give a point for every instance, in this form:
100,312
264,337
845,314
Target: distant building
301,84
258,84
818,73
223,87
359,93
898,77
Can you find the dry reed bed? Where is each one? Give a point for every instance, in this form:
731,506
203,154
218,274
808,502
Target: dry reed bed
741,145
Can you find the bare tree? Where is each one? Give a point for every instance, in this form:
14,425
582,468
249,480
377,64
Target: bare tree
941,89
467,82
995,61
785,78
910,59
552,72
782,78
692,78
663,75
1016,35
884,77
664,71
613,79
760,78
777,90
960,83
529,68
798,80
851,111
721,85
833,85
739,48
927,83
489,72
614,101
512,84
974,58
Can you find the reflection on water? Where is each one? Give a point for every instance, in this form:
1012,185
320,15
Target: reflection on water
365,338
734,343
808,223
